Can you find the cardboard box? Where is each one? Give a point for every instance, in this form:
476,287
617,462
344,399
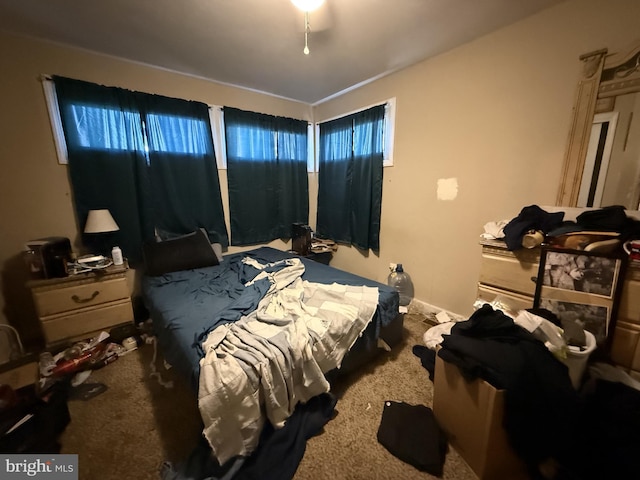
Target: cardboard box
471,414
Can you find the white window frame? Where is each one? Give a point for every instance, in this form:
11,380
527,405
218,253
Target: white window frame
51,99
311,147
389,131
216,119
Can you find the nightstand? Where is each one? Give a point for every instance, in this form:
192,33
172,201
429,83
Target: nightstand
80,306
322,257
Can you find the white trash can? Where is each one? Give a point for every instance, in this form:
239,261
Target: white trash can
577,361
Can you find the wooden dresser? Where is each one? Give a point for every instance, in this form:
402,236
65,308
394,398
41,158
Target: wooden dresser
80,306
512,276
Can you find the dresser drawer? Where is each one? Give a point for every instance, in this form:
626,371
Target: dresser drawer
629,308
625,345
509,272
514,301
50,301
84,321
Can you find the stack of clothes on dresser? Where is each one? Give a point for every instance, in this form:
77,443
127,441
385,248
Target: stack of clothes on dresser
602,230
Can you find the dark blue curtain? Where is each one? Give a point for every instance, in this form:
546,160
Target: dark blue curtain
266,174
107,158
334,180
126,154
185,189
350,179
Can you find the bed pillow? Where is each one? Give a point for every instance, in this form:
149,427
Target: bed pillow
181,253
162,235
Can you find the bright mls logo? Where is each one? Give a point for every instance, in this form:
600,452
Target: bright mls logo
50,467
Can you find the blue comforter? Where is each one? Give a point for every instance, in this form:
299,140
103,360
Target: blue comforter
186,305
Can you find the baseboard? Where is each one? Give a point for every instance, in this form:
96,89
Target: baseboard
422,308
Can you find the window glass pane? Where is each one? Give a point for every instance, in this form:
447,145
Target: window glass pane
292,146
250,143
368,137
336,142
176,134
106,129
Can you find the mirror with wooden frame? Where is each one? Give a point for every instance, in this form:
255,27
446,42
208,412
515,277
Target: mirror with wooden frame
602,159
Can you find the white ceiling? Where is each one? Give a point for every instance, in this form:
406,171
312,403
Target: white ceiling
258,44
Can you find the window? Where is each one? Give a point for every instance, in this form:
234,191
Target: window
350,168
100,128
177,134
388,129
216,115
149,159
267,175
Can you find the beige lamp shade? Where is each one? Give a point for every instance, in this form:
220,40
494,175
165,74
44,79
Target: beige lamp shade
100,221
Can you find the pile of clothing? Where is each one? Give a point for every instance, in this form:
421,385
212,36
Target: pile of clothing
601,229
548,421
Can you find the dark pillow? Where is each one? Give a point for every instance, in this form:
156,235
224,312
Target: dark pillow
182,253
162,235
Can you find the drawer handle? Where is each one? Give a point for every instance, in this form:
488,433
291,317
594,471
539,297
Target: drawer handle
77,299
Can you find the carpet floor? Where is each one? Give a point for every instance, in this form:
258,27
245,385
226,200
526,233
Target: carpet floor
127,431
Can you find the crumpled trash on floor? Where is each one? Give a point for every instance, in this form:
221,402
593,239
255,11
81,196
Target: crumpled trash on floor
86,391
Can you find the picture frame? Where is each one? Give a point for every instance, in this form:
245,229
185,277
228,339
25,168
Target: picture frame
581,285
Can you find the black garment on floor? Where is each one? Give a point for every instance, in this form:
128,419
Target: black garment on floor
530,218
427,358
278,454
411,433
542,409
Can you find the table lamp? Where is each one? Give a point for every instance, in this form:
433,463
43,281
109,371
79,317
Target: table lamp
99,224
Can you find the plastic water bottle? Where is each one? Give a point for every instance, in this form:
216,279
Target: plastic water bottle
116,255
401,281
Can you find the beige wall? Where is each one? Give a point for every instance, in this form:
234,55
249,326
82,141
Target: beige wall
494,115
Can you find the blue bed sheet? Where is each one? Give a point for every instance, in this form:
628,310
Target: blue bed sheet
186,305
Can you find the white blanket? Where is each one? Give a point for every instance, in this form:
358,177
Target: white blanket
260,367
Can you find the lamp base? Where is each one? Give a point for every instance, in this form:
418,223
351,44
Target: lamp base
99,243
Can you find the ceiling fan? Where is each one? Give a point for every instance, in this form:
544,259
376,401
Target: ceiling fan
321,17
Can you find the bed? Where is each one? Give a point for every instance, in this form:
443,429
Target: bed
198,314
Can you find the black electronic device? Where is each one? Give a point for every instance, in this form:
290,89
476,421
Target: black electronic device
300,238
48,257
